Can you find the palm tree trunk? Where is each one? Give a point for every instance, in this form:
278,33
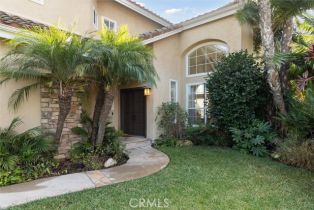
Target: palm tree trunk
100,100
269,53
285,48
64,109
104,117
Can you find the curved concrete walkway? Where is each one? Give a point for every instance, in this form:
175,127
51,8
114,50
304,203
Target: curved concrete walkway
144,160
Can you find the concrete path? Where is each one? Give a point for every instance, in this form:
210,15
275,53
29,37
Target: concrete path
144,160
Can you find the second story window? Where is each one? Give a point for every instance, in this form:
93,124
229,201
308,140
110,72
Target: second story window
110,24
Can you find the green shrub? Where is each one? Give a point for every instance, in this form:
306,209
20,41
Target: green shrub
93,157
14,176
293,152
167,142
237,91
171,120
300,117
22,154
254,139
207,135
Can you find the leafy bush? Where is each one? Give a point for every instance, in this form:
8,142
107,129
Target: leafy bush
171,120
254,139
293,152
300,118
236,91
167,141
14,176
207,135
93,157
22,154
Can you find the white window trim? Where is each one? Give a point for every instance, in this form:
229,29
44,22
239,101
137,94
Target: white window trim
42,2
187,99
115,23
177,90
195,48
96,24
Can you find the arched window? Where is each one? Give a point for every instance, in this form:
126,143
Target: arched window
201,59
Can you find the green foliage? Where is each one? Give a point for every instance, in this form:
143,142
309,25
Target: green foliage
44,55
207,135
293,152
254,139
282,10
119,59
300,118
93,157
167,141
22,155
14,176
171,120
236,91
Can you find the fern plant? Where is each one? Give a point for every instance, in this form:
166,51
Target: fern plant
253,139
22,149
300,118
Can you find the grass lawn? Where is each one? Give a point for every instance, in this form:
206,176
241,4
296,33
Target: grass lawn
202,178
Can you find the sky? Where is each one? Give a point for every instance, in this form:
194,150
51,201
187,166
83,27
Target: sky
180,10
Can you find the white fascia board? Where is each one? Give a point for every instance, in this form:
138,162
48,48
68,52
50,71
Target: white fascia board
216,15
7,32
143,12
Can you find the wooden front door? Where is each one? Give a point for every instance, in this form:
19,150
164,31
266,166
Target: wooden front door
133,112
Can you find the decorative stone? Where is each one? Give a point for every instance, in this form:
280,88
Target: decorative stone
49,118
185,143
110,162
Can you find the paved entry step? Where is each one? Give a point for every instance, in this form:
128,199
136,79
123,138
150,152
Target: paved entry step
136,142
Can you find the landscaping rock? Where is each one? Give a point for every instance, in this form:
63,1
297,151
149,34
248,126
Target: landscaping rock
110,162
185,143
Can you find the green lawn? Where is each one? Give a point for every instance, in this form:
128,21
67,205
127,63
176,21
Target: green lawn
202,178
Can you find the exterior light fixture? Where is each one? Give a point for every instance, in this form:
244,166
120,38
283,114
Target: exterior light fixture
147,91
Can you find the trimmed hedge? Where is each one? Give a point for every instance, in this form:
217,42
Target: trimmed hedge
236,91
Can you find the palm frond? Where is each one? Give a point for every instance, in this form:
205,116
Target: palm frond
20,95
249,13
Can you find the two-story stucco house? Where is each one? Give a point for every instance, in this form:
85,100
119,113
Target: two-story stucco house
184,53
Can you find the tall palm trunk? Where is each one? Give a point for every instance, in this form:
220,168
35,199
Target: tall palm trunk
64,109
100,100
104,117
269,51
285,48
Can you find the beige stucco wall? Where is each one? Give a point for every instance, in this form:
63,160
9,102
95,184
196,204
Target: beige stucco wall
170,60
136,23
29,111
52,11
79,13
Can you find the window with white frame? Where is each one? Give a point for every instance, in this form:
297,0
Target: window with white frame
95,18
196,99
110,24
201,59
173,91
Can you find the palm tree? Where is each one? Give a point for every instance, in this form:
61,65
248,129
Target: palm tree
283,12
119,59
267,35
46,56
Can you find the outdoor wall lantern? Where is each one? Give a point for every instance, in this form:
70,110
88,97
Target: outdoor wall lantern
147,91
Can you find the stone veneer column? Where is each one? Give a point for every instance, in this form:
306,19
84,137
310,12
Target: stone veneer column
49,116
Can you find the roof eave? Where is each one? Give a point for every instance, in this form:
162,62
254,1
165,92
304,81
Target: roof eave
144,12
203,19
